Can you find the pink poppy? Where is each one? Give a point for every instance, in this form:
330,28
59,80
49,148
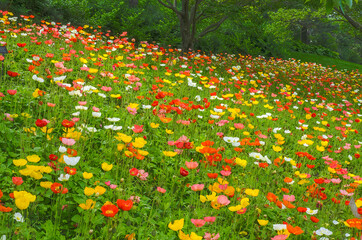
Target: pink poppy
210,219
209,236
289,198
198,222
191,165
161,190
197,187
68,141
82,103
138,128
225,173
223,200
280,237
239,125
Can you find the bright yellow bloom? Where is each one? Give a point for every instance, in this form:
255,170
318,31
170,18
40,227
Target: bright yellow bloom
277,148
154,125
320,148
123,137
142,152
235,208
20,162
241,162
169,131
263,222
107,167
87,175
89,204
120,147
133,105
92,70
23,199
244,202
252,192
88,191
46,184
99,190
169,153
177,225
33,158
139,142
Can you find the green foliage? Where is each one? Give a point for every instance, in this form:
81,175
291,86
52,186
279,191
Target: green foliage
319,50
325,61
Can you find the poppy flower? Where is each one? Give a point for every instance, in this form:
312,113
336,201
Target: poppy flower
41,123
109,210
67,124
125,205
314,219
212,175
11,92
183,172
176,225
12,74
133,171
17,180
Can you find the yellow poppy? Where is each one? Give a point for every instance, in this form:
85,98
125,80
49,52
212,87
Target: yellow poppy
169,153
177,225
107,167
89,204
33,158
263,222
87,175
20,162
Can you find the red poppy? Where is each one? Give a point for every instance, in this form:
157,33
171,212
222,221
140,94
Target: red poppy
109,210
68,124
271,197
70,171
302,209
125,205
13,74
12,92
212,175
56,187
183,172
21,44
17,180
263,165
5,209
133,172
319,180
40,123
314,219
53,157
310,166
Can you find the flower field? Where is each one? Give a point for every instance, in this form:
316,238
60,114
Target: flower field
102,137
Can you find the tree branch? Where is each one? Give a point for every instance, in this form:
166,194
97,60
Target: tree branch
212,27
350,20
170,6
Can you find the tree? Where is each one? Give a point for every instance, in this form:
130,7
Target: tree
339,6
191,13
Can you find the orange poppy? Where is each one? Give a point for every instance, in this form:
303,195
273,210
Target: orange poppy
294,230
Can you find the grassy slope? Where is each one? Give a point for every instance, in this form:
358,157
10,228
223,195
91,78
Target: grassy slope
326,61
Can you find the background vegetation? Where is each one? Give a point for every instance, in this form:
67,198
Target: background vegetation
270,28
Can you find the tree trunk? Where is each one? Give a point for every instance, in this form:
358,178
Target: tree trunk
133,3
304,36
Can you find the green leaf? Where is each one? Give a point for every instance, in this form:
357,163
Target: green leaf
76,218
349,3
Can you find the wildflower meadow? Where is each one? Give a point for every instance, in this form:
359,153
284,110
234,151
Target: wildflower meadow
105,137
